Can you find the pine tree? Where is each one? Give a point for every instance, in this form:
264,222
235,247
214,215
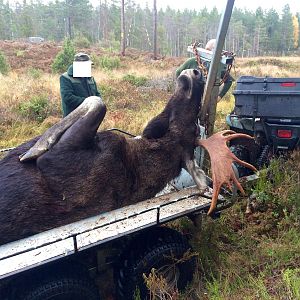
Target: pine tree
296,31
286,30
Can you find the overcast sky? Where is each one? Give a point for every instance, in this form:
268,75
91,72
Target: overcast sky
220,4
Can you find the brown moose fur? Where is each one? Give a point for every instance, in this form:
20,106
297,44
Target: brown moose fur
78,178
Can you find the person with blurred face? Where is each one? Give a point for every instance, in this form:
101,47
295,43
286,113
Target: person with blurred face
191,63
77,83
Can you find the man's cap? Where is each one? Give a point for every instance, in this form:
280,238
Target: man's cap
81,57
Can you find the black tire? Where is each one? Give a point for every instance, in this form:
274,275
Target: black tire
242,153
62,287
155,251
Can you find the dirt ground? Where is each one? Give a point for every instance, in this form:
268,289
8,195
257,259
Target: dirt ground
23,55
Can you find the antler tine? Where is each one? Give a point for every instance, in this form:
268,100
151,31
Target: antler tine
235,135
239,186
224,132
214,199
243,163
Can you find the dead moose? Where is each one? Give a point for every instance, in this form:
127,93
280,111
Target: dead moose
73,172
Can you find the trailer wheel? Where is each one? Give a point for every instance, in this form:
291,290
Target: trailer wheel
163,249
64,287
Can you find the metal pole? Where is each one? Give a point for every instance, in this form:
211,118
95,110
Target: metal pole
208,110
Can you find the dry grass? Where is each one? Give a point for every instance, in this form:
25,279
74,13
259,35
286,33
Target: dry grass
129,107
237,259
20,87
269,66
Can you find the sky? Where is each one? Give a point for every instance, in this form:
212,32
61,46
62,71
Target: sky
220,4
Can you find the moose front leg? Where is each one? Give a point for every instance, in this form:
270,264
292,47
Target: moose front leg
201,180
197,174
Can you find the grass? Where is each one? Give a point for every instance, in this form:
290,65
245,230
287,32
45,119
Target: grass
268,66
135,80
22,96
239,256
253,256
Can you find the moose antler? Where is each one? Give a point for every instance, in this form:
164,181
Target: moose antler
221,162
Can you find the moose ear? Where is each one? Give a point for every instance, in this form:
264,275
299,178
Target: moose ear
184,85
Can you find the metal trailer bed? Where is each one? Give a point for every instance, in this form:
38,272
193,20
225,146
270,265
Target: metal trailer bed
51,245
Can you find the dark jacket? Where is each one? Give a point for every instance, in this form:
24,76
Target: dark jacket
191,63
74,90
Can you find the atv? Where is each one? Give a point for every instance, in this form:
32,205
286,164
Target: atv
269,110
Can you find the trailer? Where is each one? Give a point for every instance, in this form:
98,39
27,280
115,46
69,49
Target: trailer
76,261
63,263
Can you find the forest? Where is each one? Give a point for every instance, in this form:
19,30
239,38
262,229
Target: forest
251,33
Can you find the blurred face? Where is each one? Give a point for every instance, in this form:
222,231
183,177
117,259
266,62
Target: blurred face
82,69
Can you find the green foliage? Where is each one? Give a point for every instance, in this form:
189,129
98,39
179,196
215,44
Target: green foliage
279,187
135,80
214,289
4,65
81,41
26,22
34,73
36,108
109,63
283,250
64,58
106,62
96,60
137,294
257,283
20,53
110,44
291,277
234,261
272,28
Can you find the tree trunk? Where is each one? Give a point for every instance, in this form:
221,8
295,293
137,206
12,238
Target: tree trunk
68,20
105,22
154,30
122,28
99,22
69,27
